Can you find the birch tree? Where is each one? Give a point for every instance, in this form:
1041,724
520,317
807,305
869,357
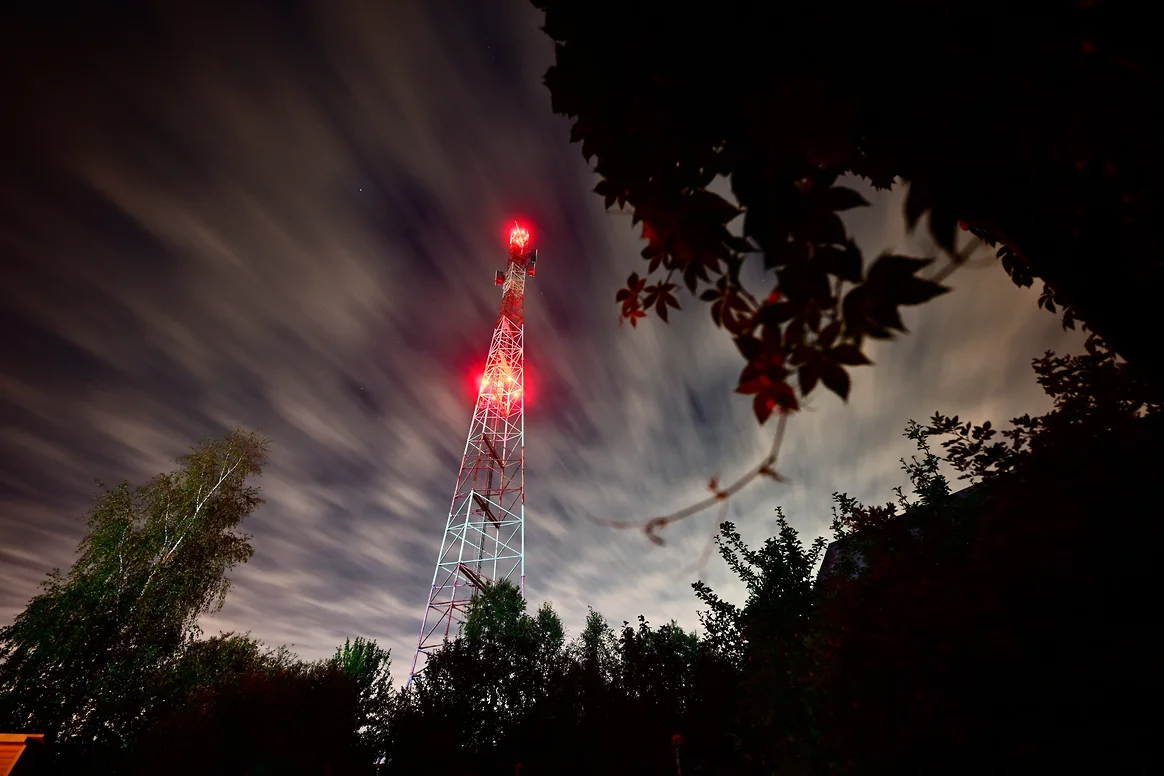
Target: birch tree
82,662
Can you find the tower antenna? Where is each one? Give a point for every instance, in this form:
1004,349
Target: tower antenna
484,539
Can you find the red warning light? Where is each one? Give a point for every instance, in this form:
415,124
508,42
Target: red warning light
518,236
500,386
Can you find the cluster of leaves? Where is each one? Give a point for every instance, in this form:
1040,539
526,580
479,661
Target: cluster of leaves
930,489
1093,393
780,100
813,322
658,152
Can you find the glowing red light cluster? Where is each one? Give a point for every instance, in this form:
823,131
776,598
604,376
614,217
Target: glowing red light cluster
518,236
501,387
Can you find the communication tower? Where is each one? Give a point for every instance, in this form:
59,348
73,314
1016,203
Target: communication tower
484,539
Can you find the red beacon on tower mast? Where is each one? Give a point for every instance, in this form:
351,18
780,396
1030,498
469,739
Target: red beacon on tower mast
484,538
519,240
519,236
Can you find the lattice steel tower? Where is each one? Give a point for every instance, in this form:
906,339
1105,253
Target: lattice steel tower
485,532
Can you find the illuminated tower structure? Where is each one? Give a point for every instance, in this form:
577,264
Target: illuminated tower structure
484,536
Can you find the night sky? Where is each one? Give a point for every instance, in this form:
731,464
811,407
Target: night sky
288,216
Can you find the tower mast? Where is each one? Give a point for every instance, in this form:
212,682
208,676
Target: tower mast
484,539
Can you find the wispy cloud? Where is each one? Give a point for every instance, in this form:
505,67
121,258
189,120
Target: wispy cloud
291,222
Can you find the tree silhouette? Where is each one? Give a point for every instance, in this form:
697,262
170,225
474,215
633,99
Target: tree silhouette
366,665
1000,624
279,715
86,657
1095,393
478,700
766,641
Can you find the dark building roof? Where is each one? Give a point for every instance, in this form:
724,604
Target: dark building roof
833,551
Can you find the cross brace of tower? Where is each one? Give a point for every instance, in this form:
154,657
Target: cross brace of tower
484,535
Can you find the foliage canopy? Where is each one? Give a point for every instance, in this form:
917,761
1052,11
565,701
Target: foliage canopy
1036,132
87,655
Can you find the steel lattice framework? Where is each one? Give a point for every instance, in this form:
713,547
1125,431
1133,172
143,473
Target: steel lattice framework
484,536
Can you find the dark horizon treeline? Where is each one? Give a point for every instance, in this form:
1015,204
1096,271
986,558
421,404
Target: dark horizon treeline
1004,628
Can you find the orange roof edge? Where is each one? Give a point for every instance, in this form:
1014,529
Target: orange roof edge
12,746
